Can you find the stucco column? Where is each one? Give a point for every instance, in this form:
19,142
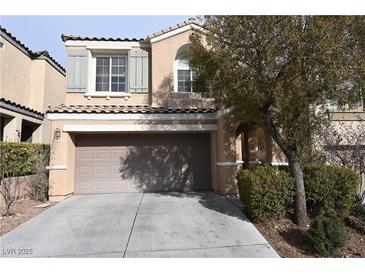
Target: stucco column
62,164
226,155
12,130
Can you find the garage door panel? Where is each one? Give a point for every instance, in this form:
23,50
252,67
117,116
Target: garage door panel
134,163
102,170
102,155
85,170
85,154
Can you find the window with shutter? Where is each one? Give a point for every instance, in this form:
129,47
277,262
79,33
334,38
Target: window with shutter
111,74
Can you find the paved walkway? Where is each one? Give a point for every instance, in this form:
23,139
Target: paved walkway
138,225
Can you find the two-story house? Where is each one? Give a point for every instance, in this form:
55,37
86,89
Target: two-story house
29,83
132,122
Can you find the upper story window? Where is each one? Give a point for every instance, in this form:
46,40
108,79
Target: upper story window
183,74
111,74
1,45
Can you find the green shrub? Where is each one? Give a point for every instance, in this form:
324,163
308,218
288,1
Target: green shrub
327,235
330,189
265,191
18,159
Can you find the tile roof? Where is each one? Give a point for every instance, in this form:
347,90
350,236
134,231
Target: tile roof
32,54
11,103
141,109
66,37
176,26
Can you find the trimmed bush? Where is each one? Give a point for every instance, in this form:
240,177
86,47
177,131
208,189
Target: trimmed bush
330,189
19,159
327,235
265,191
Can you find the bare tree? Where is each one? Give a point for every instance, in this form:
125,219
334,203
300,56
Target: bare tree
9,186
39,186
343,144
9,181
10,191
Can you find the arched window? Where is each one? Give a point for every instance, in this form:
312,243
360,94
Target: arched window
183,74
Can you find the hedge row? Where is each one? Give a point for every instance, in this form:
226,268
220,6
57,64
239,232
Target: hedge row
19,159
267,192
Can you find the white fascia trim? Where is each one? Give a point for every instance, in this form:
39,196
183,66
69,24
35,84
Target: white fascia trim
138,128
56,167
135,116
177,31
103,44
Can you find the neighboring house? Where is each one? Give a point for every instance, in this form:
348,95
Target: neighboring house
29,83
132,121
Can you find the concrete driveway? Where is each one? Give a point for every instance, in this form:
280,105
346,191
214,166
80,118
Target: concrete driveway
138,225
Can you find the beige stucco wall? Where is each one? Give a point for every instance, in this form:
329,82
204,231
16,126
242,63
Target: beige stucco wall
62,154
78,98
16,70
226,154
163,55
54,94
31,83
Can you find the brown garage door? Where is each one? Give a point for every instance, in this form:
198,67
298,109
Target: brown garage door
134,163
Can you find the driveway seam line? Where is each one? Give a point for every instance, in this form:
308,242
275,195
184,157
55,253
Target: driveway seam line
134,221
200,248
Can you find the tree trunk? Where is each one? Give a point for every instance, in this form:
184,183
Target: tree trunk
296,171
300,200
246,148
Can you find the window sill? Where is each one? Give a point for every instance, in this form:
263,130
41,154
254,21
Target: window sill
107,94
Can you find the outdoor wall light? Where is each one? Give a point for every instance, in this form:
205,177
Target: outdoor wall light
57,134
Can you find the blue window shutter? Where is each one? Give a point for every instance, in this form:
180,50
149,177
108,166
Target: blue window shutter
77,70
138,71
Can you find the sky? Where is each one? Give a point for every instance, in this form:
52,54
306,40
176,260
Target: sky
44,32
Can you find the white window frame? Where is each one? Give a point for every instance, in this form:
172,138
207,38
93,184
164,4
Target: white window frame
92,79
176,81
110,73
181,54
